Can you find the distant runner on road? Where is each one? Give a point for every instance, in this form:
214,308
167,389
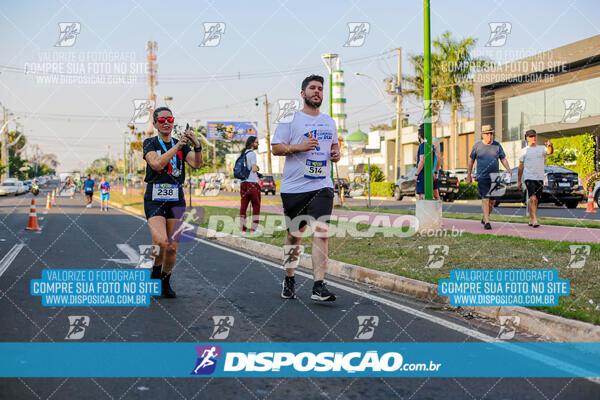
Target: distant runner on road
104,194
164,202
249,188
308,140
88,189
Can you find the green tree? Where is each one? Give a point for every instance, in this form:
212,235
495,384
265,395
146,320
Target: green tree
452,65
376,173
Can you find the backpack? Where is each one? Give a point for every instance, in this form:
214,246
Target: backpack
240,169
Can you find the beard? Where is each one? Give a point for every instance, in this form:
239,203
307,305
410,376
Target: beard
312,104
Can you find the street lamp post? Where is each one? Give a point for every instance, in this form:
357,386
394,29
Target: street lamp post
125,162
329,60
427,100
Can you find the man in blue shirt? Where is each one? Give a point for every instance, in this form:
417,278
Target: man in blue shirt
487,152
88,190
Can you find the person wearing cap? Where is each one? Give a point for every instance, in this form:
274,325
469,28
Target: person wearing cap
487,152
531,170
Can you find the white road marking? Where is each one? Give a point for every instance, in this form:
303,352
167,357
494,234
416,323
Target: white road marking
554,362
133,256
10,257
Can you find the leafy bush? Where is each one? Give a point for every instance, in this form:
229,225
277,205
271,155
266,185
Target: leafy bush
382,189
376,173
578,149
466,192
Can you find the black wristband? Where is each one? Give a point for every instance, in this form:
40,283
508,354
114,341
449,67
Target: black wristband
198,149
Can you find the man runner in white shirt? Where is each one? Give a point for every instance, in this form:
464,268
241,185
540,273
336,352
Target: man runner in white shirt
308,140
531,170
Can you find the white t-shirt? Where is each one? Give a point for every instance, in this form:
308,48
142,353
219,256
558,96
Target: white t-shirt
250,160
534,160
309,170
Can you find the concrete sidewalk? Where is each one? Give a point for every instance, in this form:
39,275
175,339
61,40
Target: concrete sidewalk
545,232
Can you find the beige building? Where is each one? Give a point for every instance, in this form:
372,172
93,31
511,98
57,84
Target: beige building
557,93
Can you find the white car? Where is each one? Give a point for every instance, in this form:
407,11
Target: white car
12,187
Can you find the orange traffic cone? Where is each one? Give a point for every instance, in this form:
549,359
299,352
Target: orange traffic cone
53,195
33,223
590,203
48,202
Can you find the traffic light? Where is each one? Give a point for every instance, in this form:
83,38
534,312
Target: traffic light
109,168
256,101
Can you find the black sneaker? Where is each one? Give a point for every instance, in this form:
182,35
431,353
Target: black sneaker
320,292
289,288
487,226
482,223
167,291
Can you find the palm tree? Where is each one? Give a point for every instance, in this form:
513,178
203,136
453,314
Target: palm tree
452,67
459,66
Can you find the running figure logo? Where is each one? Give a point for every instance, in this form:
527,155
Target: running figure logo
437,255
147,255
499,32
212,34
579,253
436,108
223,324
141,111
207,359
573,111
187,226
366,326
287,108
498,186
68,33
77,326
508,326
357,33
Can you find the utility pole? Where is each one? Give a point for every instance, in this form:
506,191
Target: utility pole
427,101
398,153
5,161
269,164
152,67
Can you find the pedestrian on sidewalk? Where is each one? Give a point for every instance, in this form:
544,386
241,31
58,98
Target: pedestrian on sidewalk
486,152
104,194
164,202
420,174
308,141
88,190
531,170
249,188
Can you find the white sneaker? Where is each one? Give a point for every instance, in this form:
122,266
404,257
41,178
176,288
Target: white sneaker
88,206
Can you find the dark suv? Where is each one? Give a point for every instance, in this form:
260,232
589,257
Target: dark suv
561,187
407,186
344,184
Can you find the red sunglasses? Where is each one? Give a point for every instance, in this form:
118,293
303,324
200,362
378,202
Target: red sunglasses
162,120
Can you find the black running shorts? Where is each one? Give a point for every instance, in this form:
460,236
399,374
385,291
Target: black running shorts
166,209
299,208
534,188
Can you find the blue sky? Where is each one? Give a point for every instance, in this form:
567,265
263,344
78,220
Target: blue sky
260,36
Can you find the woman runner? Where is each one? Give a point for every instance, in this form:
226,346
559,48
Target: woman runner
164,202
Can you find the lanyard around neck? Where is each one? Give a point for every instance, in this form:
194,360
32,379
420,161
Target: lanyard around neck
173,160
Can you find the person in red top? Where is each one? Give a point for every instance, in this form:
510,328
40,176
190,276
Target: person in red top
249,188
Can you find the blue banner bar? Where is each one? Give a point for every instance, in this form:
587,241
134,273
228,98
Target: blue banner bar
221,359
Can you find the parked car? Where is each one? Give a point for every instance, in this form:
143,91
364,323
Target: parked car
447,185
233,185
561,187
344,184
267,184
407,186
12,187
461,174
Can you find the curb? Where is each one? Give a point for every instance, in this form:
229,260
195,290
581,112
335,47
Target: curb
534,322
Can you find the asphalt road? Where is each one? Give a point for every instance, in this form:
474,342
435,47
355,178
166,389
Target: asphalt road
211,280
473,206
